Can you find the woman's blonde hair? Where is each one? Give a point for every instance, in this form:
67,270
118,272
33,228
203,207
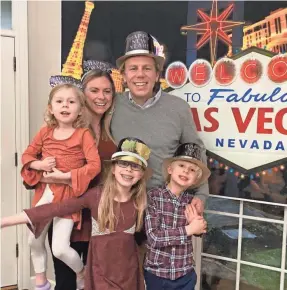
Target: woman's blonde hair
89,76
81,121
106,210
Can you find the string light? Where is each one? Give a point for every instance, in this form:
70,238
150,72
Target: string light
220,164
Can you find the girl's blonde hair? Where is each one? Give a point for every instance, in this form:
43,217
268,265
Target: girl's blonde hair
81,121
106,210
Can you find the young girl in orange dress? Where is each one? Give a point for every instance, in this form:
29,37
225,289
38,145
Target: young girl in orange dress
117,210
68,150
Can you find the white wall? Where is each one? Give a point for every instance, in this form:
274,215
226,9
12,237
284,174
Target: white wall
44,30
44,37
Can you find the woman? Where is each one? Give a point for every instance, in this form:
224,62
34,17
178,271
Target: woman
99,89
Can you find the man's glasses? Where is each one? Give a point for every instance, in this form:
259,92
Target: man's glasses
125,164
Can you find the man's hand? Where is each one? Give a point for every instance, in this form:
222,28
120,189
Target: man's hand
198,204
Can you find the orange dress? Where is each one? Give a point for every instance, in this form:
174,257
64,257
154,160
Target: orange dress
77,154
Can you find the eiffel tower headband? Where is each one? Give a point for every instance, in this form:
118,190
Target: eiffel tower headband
59,80
89,65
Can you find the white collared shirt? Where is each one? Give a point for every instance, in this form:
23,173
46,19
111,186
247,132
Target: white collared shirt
149,102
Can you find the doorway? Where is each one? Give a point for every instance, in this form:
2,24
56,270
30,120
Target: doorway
8,179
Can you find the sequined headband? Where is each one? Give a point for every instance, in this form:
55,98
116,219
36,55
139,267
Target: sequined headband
89,65
59,80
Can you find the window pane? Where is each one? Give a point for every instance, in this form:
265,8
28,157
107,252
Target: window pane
223,205
222,236
217,274
263,210
6,15
260,279
264,244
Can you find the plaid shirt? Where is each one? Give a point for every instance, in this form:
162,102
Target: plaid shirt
170,252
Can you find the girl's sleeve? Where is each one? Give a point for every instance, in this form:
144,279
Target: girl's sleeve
40,216
81,177
31,176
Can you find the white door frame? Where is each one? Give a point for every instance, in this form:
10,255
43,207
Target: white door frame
19,33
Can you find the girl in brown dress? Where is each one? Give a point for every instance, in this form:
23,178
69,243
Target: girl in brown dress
117,210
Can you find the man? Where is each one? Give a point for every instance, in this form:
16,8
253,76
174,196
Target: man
159,119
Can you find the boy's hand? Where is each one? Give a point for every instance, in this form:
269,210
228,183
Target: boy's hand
46,165
190,213
198,204
196,227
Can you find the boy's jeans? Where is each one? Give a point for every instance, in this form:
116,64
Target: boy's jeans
154,282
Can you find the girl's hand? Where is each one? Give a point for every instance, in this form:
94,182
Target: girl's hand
46,165
3,224
190,213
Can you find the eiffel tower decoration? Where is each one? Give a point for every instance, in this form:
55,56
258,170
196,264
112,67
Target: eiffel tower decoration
73,64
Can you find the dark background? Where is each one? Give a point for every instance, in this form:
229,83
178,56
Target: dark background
112,21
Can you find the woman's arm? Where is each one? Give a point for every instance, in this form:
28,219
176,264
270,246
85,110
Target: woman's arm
57,176
14,220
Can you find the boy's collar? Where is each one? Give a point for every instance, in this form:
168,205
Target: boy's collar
181,193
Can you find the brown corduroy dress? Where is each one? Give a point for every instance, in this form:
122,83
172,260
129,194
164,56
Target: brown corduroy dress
112,258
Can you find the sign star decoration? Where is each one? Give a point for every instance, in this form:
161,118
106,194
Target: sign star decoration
212,27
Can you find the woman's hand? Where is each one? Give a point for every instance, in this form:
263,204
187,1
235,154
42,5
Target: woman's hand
57,176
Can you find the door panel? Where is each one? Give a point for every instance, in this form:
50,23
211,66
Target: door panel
8,168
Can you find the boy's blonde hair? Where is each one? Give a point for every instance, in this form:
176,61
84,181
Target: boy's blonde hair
198,170
106,210
81,121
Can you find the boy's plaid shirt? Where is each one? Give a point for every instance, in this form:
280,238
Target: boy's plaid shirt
170,252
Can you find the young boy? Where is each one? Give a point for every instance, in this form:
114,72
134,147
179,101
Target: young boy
171,221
